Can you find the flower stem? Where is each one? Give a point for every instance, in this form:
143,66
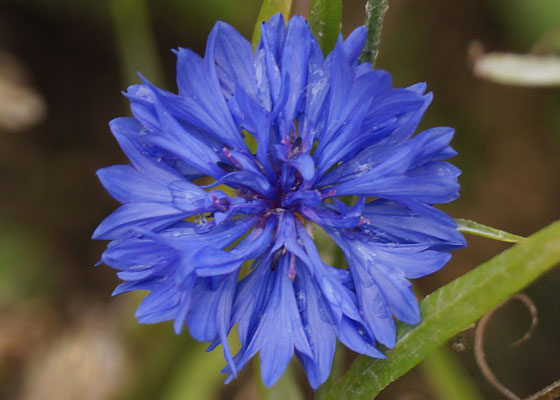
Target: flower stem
375,14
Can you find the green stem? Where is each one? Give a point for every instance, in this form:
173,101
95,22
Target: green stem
268,9
375,14
451,309
474,228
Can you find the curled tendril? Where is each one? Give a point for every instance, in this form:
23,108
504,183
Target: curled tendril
548,393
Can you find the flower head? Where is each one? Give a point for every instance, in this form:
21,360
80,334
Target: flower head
220,233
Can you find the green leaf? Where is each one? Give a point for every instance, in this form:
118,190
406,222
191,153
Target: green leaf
268,9
451,309
325,18
375,13
474,228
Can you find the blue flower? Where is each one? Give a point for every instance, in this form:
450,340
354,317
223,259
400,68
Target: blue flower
221,234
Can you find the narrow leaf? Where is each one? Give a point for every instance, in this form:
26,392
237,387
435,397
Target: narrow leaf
474,228
268,9
375,13
451,309
325,18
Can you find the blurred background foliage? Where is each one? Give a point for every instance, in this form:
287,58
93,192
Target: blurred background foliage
62,66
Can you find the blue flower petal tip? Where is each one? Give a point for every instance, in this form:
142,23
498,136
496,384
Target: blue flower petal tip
199,203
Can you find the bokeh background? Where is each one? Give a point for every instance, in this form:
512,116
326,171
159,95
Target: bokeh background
63,64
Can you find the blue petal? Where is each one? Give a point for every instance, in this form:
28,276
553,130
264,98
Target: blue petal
187,196
125,129
343,138
126,287
308,198
287,239
247,180
321,334
335,149
281,315
198,84
372,302
400,224
211,316
409,123
333,283
397,291
128,216
316,95
354,43
255,119
304,164
398,172
151,160
295,54
326,216
234,56
341,82
251,299
123,254
127,185
211,261
210,234
413,260
158,301
141,104
373,306
353,336
273,34
176,139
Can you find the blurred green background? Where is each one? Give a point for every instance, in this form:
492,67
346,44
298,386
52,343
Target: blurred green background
63,64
